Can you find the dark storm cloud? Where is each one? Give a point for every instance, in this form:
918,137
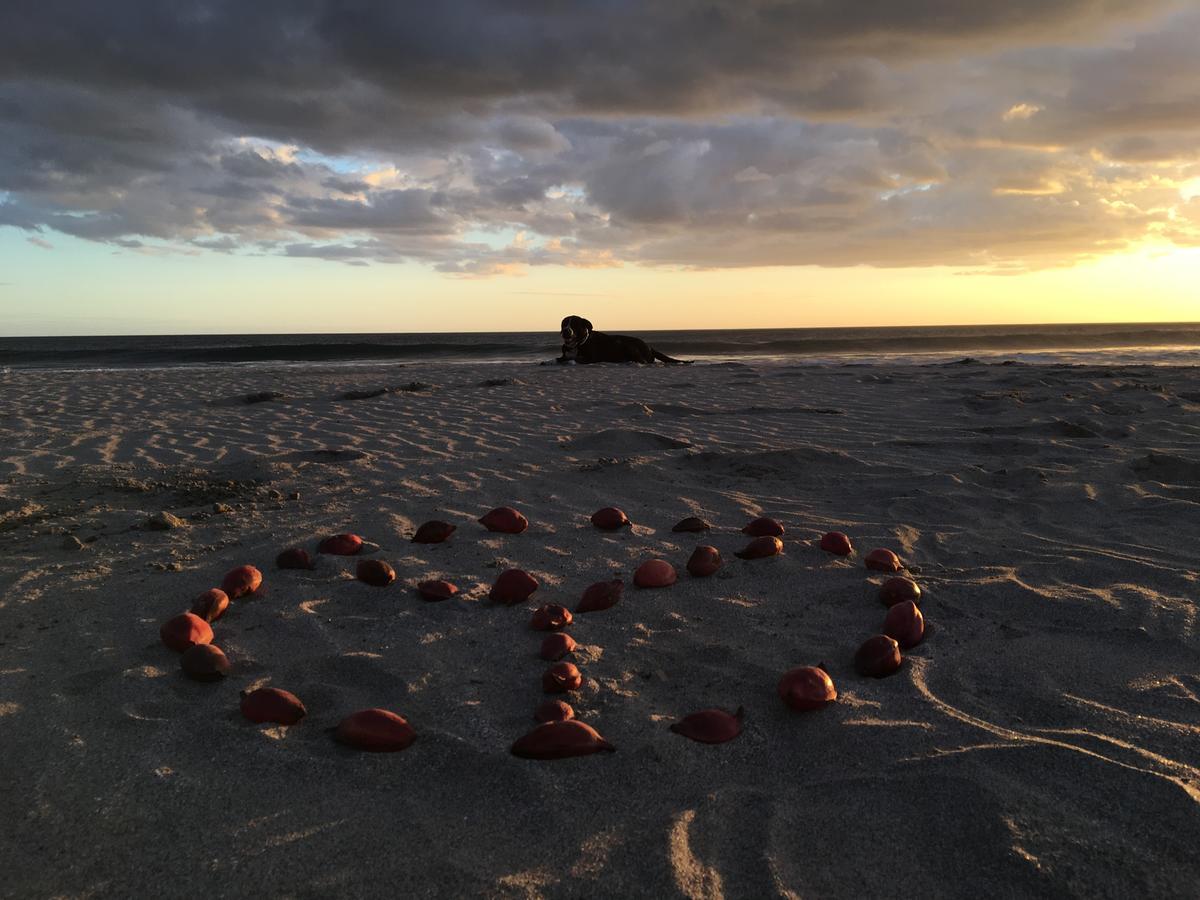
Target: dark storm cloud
1022,132
305,58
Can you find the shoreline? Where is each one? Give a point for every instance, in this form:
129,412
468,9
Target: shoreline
1105,358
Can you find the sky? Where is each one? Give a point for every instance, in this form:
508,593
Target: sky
476,165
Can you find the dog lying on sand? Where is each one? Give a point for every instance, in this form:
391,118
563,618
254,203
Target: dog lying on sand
583,344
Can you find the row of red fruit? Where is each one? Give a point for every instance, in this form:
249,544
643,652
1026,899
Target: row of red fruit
506,520
191,633
559,734
513,587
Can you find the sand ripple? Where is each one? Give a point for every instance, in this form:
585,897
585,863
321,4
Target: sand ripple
1041,742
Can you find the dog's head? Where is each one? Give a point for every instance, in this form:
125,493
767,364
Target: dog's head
575,331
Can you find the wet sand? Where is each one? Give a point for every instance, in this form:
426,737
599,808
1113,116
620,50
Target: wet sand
1042,740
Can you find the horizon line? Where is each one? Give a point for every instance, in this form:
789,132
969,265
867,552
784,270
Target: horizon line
1152,323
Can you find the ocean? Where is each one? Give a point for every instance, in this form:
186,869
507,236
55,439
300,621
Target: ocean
1122,344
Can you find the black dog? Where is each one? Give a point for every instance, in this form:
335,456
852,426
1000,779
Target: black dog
583,345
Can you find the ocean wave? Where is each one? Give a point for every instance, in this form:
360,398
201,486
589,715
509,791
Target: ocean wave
308,352
910,343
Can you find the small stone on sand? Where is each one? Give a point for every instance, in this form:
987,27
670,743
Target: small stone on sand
165,521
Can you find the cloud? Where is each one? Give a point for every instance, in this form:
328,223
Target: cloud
410,210
1021,111
1022,133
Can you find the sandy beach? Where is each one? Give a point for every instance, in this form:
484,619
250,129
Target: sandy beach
1041,741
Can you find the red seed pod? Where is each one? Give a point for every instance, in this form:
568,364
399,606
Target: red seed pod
761,547
553,711
504,519
556,646
204,662
436,590
272,705
513,586
900,590
561,678
210,605
550,618
882,560
601,595
806,687
905,623
185,630
294,558
711,726
691,524
375,572
655,573
837,543
764,527
376,730
878,657
704,561
559,740
341,545
434,532
241,582
610,519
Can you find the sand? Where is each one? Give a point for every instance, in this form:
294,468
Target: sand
1042,741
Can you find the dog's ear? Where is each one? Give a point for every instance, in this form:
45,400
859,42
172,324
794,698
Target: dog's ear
578,323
